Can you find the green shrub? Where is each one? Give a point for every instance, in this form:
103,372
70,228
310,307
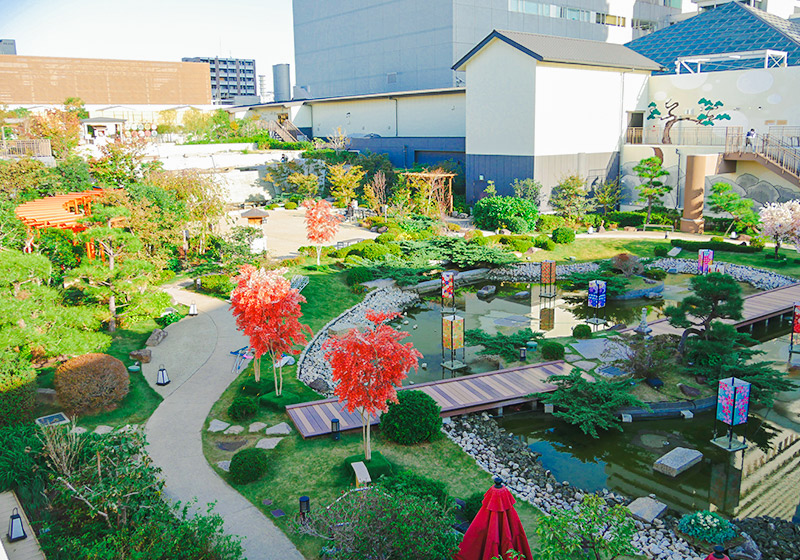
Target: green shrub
248,465
253,388
626,219
655,273
357,275
717,239
385,238
707,527
17,389
413,419
544,242
549,222
482,240
374,252
758,244
563,235
551,350
168,319
219,284
472,505
91,382
290,205
242,408
452,227
716,246
274,402
660,251
581,331
497,212
409,483
378,466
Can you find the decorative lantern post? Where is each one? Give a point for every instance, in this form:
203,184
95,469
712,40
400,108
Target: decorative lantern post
733,401
448,290
547,280
705,258
795,330
597,300
193,310
453,340
335,429
305,508
16,532
162,378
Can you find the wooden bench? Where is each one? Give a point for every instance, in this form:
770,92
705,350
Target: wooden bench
347,243
362,474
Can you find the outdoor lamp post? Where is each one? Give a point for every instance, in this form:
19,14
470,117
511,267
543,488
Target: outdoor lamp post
163,378
16,532
193,310
305,507
523,353
335,430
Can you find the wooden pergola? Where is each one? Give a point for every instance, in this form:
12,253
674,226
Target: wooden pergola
441,183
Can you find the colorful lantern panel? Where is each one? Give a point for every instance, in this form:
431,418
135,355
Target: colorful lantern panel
453,332
705,257
547,318
448,284
796,318
597,293
733,401
548,272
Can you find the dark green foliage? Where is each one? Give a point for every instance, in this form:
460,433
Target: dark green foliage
505,346
168,319
279,403
248,465
518,224
253,388
290,206
472,504
379,466
372,252
455,250
647,358
548,222
655,273
357,275
19,468
219,284
519,243
636,219
409,483
416,223
615,284
17,389
660,251
386,237
717,246
591,406
242,408
563,235
57,245
551,350
413,419
582,331
544,242
715,296
495,212
707,527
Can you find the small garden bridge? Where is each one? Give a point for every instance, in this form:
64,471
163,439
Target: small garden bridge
760,307
458,395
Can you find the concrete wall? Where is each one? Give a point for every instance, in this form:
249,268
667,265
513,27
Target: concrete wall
404,152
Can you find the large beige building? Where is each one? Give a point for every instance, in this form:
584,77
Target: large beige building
48,80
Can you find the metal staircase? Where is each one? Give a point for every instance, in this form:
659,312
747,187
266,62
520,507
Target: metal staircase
780,152
286,131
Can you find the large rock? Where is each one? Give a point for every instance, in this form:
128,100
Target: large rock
143,356
156,337
677,461
748,550
689,391
341,328
46,396
320,386
646,509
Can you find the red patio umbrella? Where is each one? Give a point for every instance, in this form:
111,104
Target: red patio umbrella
495,529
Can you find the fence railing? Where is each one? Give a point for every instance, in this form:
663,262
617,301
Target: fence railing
775,150
22,148
789,135
678,135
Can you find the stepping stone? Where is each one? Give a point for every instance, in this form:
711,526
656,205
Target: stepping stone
101,430
277,513
234,430
266,502
605,350
78,430
217,426
224,465
687,414
256,427
268,443
128,428
231,445
585,365
674,252
627,418
646,509
571,357
282,429
610,371
677,461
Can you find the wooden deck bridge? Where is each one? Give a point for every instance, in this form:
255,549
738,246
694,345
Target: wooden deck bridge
459,395
758,307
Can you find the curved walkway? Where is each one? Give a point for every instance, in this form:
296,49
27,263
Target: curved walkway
197,357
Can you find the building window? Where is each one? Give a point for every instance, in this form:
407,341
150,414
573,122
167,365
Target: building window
563,12
644,25
607,19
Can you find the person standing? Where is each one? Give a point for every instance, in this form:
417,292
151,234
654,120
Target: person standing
749,139
718,554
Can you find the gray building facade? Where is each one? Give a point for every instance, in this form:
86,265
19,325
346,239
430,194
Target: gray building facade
354,47
230,77
8,46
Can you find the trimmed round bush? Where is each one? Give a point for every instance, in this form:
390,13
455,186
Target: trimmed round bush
549,222
660,251
544,242
220,284
518,224
290,205
655,273
707,527
582,331
385,238
91,382
374,252
242,408
17,389
563,235
248,465
758,243
357,275
497,211
413,419
551,350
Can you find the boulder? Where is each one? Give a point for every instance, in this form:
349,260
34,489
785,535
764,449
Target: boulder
143,356
383,229
646,509
320,386
156,337
689,391
748,550
282,429
46,396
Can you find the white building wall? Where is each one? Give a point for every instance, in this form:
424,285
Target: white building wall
357,117
583,109
432,115
500,101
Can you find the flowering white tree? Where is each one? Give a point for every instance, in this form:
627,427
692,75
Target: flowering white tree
781,222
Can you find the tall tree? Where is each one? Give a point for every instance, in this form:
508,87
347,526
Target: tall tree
267,310
529,189
61,127
714,296
344,181
121,163
306,186
569,199
725,201
707,116
607,195
376,191
321,223
653,188
368,365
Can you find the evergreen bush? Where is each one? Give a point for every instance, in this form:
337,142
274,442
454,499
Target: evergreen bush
655,273
551,350
496,212
413,419
549,222
219,284
357,275
290,205
242,408
248,465
707,527
409,483
544,242
660,251
472,504
563,235
582,331
17,389
91,382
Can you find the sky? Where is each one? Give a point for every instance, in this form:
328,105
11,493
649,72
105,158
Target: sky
153,29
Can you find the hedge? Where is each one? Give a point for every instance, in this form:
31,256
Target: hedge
563,235
716,246
219,284
17,389
414,418
497,212
549,222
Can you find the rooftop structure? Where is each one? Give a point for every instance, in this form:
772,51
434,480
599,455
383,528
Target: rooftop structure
230,77
8,46
732,28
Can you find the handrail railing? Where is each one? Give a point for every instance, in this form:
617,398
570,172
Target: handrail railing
774,150
38,147
678,135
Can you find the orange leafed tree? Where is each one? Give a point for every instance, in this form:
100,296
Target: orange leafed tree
267,310
321,223
368,366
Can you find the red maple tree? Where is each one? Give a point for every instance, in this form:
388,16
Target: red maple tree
368,366
321,223
267,310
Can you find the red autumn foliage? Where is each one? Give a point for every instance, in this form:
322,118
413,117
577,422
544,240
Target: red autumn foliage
321,223
368,366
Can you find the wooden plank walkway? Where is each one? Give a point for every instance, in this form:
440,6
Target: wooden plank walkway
455,396
757,307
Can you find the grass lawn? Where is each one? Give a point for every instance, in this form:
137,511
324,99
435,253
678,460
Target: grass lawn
595,249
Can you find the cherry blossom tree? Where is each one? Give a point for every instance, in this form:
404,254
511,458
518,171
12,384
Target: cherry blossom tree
321,223
781,222
267,310
368,366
